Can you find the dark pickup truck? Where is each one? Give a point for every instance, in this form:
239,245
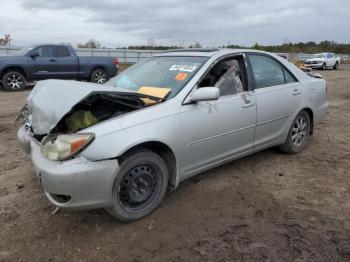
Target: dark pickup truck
42,62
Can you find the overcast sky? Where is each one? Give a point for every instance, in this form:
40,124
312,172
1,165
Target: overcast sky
117,23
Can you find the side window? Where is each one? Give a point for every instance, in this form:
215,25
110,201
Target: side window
329,56
60,51
44,51
266,71
227,75
289,77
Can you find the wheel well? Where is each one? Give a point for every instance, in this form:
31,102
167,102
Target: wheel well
163,151
98,67
311,115
13,68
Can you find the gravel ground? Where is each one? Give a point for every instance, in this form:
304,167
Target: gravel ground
265,207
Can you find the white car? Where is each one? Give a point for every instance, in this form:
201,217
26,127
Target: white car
323,61
120,145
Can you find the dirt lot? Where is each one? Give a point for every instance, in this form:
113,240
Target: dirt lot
265,207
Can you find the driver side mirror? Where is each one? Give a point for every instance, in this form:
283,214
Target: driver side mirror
34,55
205,94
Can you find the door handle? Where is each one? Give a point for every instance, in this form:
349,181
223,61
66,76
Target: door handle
52,60
296,92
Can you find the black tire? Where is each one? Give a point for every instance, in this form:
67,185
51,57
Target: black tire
336,65
298,135
13,81
140,186
99,76
324,66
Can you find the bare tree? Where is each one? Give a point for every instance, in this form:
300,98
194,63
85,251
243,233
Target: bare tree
195,45
151,42
92,43
6,40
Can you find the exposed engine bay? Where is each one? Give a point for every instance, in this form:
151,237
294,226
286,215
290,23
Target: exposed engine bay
98,107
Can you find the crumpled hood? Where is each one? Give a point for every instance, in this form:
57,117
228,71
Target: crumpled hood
50,100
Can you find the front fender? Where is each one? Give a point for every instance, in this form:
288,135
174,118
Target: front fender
116,143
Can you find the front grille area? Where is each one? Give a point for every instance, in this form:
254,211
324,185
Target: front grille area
60,198
312,62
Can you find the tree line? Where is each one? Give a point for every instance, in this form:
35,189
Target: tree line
308,47
305,47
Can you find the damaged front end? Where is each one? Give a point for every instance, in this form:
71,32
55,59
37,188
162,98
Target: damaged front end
57,110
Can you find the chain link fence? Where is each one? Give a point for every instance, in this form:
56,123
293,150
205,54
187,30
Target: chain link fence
127,56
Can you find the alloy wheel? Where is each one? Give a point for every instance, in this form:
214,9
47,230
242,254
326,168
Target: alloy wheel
299,131
100,77
14,81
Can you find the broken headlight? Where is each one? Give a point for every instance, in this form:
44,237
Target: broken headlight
63,147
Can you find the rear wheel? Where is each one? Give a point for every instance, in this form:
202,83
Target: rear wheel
139,186
14,81
336,65
99,76
298,135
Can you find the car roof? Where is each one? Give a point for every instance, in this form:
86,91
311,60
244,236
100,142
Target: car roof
49,44
204,52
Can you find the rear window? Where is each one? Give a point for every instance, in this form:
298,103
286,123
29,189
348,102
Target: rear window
60,51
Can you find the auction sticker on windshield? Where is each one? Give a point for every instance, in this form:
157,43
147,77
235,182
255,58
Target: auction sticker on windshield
180,76
184,68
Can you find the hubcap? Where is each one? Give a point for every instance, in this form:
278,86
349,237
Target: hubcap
100,77
138,186
299,131
14,81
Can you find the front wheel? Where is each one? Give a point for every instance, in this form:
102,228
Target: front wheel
139,186
324,66
298,135
14,81
99,76
336,65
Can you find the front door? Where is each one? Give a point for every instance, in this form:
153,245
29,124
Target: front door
216,131
42,65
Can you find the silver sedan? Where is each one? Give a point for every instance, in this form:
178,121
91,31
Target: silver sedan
121,145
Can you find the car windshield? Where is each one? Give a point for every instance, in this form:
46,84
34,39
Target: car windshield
319,56
24,50
159,76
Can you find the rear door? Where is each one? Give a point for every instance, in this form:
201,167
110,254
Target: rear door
278,98
64,63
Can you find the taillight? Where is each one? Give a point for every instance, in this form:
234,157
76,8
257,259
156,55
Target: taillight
116,61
